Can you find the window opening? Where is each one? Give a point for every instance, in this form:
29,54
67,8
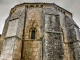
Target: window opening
33,34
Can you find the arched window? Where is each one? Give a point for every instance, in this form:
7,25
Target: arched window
33,34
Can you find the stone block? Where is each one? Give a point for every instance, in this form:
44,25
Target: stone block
35,49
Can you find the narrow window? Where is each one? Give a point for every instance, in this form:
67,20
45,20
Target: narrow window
33,34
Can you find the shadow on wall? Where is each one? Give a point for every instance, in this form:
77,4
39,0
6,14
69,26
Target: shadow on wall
0,43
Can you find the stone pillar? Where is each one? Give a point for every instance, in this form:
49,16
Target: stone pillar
12,43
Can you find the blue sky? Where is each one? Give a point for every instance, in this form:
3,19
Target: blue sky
71,5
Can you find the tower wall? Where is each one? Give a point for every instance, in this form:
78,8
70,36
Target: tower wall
40,31
13,39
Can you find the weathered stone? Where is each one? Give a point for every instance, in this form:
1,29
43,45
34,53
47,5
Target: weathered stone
40,31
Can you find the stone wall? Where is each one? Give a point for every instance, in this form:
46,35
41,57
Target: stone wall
32,48
13,37
56,34
52,39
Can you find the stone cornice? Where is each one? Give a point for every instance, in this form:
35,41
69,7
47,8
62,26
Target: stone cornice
41,3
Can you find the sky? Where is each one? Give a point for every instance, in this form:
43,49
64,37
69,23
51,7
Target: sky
71,5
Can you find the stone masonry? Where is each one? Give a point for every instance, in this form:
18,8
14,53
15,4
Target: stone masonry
40,31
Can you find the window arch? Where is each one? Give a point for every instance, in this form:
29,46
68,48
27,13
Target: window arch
32,33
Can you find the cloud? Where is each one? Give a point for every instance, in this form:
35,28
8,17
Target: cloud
1,1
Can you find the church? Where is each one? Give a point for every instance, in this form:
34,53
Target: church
40,31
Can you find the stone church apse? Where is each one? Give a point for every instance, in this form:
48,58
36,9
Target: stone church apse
40,31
